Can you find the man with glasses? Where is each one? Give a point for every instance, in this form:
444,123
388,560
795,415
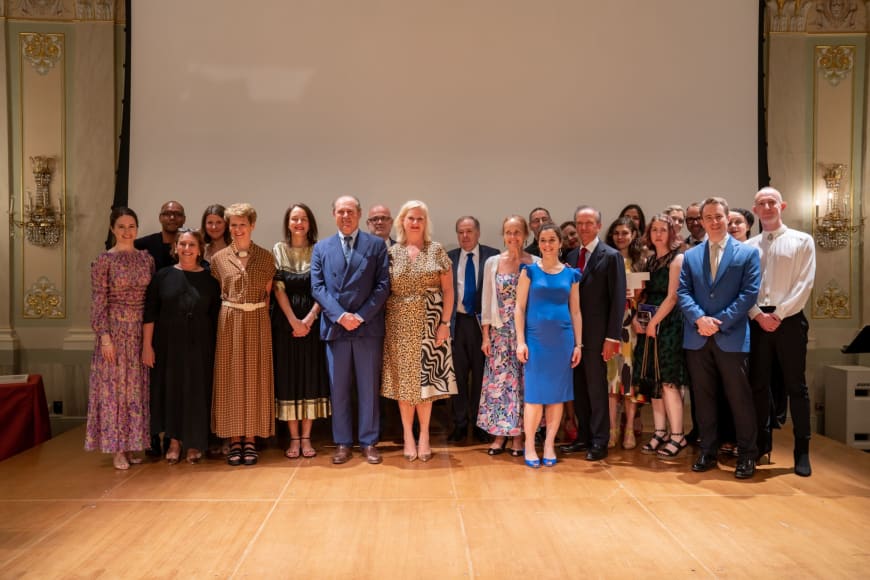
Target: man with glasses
380,223
693,223
537,218
159,245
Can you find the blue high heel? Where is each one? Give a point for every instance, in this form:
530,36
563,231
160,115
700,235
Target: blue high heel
533,463
550,462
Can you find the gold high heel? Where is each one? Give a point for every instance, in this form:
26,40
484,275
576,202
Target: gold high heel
614,437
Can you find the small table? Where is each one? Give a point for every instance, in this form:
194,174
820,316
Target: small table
23,416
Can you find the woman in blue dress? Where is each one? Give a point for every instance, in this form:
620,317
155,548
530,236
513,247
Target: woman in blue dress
549,330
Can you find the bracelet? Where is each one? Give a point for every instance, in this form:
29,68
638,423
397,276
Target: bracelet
445,323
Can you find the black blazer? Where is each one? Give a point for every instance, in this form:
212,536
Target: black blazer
602,294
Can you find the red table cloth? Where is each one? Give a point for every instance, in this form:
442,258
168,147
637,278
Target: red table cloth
23,416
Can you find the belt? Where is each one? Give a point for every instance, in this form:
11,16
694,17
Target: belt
245,306
767,309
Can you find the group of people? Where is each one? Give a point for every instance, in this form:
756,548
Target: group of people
202,331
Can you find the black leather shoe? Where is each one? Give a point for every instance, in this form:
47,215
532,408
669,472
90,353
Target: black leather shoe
704,463
458,434
802,464
574,447
745,469
596,453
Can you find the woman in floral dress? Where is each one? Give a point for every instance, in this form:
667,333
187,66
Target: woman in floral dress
501,396
118,417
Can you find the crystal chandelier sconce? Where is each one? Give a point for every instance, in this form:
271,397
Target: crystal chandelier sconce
834,227
42,222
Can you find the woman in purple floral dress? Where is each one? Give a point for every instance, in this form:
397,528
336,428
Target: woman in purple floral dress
501,396
118,420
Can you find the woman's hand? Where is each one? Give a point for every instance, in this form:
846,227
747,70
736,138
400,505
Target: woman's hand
148,355
636,326
651,328
108,351
442,334
576,354
522,352
299,328
486,347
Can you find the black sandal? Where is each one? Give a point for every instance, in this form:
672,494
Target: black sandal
250,453
672,448
234,456
649,448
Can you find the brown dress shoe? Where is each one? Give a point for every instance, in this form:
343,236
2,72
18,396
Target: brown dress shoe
342,455
372,454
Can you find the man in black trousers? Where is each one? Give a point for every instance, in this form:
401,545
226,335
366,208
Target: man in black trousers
468,260
602,306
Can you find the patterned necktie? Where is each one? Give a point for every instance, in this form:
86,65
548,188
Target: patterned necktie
714,260
348,240
470,292
581,262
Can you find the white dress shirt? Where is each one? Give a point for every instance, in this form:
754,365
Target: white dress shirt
788,269
460,275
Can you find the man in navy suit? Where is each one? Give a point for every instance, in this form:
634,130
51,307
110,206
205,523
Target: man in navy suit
468,260
718,285
602,306
350,280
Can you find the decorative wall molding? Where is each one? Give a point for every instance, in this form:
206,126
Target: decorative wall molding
42,51
43,300
63,10
832,303
835,62
835,16
788,15
44,8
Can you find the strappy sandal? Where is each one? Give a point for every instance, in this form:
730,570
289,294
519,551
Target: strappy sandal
234,455
292,453
672,448
311,451
649,448
250,454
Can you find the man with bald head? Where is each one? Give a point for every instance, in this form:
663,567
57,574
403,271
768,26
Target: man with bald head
350,279
380,223
159,244
778,331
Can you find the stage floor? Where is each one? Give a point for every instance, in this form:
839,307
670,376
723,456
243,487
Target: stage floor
68,513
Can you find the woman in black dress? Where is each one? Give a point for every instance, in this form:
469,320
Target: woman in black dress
301,379
181,308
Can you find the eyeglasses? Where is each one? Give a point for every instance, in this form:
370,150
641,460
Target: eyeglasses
379,219
692,219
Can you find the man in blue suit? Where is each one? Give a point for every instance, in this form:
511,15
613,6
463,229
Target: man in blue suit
718,285
468,260
350,280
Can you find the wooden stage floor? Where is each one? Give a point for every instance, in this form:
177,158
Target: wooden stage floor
68,513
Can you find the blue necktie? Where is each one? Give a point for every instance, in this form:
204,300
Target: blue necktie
348,240
470,285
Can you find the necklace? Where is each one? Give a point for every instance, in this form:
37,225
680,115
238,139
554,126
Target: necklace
239,253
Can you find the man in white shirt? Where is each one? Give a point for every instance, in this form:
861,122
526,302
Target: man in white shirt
779,327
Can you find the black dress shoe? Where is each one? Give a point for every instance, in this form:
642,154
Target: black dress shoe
704,463
458,434
802,463
596,453
574,447
745,468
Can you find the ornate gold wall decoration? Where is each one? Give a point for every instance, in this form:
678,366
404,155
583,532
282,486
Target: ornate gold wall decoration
836,14
41,7
43,300
835,62
42,51
787,15
95,10
832,303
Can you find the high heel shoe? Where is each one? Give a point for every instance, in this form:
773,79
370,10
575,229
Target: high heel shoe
424,457
629,441
673,447
614,437
174,453
492,451
550,461
533,463
657,440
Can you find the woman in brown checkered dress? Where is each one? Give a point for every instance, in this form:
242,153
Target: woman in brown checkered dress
243,405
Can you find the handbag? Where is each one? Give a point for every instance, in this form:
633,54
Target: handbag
651,386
